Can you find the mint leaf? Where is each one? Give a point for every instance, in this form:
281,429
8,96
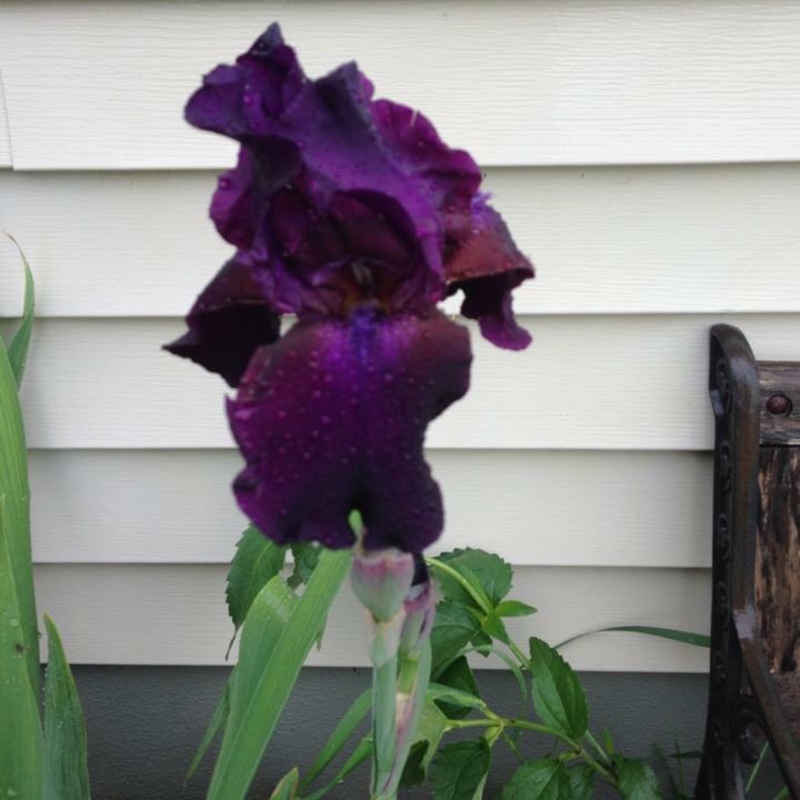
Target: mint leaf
256,562
486,570
558,696
582,782
306,556
543,779
459,676
636,780
459,770
452,632
514,608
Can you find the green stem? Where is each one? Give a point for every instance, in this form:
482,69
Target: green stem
576,747
597,746
384,691
460,579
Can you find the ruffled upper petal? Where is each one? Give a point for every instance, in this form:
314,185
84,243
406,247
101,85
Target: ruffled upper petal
332,418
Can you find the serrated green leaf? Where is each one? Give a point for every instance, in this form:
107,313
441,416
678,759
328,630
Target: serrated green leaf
66,767
305,556
256,562
459,770
558,696
494,626
487,571
266,673
343,731
287,786
219,720
512,665
581,779
433,725
21,742
542,779
514,608
452,632
636,780
459,676
413,772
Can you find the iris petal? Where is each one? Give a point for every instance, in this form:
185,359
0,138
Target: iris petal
487,267
332,418
227,323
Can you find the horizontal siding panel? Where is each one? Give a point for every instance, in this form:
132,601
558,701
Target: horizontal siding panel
591,382
5,139
605,240
542,82
172,615
533,508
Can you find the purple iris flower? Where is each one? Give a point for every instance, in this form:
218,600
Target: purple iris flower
353,215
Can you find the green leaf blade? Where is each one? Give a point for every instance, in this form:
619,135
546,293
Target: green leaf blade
636,780
459,770
16,517
485,571
262,689
452,631
542,779
21,742
558,696
66,766
257,560
18,348
287,786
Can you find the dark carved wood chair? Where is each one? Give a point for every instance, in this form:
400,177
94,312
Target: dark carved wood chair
755,630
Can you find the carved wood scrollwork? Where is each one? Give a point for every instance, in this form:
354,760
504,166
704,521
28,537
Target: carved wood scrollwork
755,615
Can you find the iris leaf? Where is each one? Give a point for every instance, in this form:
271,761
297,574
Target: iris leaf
21,745
673,634
16,527
287,787
343,731
276,638
362,752
18,349
218,722
67,773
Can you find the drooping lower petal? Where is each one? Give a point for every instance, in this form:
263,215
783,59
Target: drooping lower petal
332,418
228,323
487,267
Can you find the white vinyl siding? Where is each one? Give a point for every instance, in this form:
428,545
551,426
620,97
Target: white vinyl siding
646,155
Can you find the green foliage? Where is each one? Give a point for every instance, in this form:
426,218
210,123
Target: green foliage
636,780
287,787
459,770
543,779
66,769
34,763
256,562
558,696
276,637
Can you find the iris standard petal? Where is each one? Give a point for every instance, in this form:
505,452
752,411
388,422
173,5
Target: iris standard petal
227,323
332,418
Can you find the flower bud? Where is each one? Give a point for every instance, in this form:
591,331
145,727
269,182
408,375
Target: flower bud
381,580
420,611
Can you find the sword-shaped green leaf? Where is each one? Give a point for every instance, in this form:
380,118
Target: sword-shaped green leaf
66,770
276,638
20,730
18,349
